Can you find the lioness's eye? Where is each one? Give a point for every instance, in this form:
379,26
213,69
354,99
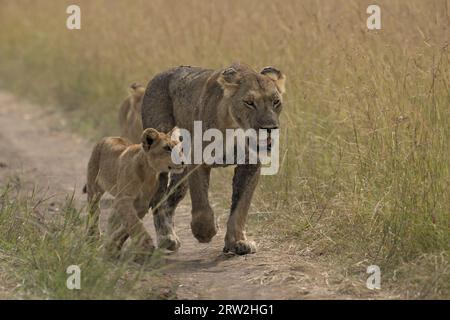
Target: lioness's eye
276,103
168,148
250,104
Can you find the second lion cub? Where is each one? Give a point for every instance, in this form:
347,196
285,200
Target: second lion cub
130,173
130,121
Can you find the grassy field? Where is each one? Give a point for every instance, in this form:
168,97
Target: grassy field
365,131
41,237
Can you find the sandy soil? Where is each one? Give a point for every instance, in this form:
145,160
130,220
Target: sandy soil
37,148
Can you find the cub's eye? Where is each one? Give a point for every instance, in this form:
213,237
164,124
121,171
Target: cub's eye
168,148
276,103
250,104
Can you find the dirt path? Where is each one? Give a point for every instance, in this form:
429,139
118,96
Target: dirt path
35,146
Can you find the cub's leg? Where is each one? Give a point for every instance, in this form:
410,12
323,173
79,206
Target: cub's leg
141,207
244,183
127,222
203,224
116,235
95,193
116,227
164,210
116,230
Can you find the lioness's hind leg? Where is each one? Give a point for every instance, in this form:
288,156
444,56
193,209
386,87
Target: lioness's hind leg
164,210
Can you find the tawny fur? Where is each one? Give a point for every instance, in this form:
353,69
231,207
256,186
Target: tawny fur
130,173
233,97
130,119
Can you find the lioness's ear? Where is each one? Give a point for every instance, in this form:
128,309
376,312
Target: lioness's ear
276,75
174,134
229,81
149,137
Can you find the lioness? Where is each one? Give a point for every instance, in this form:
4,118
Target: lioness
130,119
234,97
129,172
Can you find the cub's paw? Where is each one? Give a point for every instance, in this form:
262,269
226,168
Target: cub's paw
111,251
141,257
241,247
170,242
93,236
93,233
142,245
143,251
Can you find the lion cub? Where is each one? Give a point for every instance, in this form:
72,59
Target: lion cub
130,121
130,173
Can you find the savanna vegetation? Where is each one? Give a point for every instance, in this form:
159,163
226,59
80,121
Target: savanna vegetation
42,239
365,155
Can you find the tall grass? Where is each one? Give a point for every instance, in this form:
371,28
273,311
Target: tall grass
365,171
41,238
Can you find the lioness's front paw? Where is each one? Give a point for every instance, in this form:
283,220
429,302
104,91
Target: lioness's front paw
204,229
241,247
170,242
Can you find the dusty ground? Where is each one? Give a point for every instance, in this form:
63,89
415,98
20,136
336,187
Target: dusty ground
35,147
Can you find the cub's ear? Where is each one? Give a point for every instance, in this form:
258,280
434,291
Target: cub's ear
229,81
276,75
135,85
136,90
149,137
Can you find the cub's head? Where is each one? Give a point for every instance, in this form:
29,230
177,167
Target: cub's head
136,92
161,148
253,99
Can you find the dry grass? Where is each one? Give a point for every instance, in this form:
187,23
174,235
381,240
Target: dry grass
40,237
365,174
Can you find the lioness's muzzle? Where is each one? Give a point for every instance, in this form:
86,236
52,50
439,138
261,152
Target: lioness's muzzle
268,141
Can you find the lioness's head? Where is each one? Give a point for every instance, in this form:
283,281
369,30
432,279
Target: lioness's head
253,99
159,146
